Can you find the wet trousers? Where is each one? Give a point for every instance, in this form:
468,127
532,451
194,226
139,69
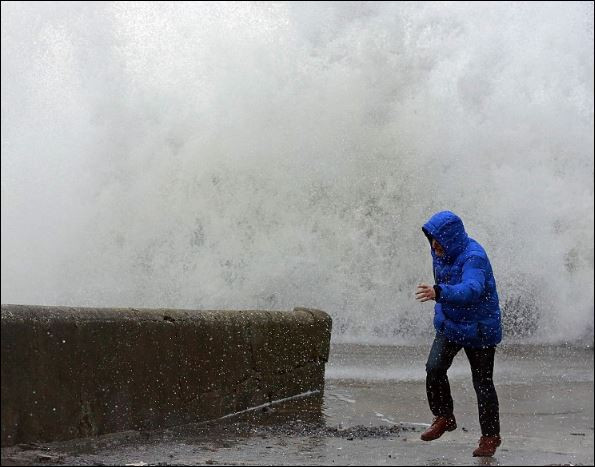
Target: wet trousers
482,368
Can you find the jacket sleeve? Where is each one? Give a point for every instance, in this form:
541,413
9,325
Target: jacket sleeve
472,283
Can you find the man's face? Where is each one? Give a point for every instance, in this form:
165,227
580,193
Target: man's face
437,248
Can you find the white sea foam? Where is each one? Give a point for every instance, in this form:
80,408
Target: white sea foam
267,155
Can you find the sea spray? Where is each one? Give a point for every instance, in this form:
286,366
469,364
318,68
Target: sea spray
267,155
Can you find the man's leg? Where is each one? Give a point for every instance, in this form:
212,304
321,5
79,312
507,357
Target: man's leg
438,388
482,370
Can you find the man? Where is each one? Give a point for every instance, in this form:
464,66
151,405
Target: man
466,316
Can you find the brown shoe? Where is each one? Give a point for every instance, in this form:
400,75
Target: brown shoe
439,426
487,446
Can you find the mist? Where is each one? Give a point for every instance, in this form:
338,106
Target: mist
271,155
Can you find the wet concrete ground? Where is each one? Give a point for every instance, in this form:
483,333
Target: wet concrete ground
372,413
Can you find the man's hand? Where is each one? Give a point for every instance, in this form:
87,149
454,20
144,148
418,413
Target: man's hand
425,292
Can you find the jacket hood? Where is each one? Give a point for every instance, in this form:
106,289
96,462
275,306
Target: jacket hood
448,229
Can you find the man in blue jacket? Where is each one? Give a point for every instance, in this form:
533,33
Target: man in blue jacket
466,316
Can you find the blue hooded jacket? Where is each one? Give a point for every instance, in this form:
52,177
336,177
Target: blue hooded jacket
467,310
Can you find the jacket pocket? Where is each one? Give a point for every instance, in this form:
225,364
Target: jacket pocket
461,332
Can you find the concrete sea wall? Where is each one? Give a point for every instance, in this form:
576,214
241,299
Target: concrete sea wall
77,372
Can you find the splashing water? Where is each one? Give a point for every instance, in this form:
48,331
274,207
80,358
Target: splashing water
248,155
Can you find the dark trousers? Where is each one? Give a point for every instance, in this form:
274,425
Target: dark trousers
482,369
